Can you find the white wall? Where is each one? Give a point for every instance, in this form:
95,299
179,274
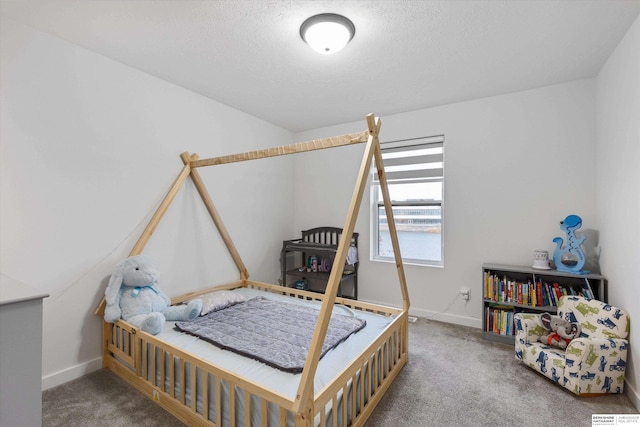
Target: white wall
515,166
618,184
88,149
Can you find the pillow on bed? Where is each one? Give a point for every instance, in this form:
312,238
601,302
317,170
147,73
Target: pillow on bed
218,300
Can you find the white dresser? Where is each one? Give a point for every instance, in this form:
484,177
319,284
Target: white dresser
20,354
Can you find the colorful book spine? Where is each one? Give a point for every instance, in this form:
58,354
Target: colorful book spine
539,296
500,288
499,320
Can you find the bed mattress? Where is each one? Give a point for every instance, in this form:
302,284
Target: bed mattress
281,382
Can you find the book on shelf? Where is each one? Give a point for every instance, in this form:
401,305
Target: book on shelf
499,320
500,288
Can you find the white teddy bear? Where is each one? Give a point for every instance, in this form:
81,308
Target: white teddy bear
133,295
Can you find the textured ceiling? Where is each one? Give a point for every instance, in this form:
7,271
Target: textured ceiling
405,55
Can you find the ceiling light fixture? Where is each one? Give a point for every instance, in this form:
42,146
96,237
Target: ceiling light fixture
327,33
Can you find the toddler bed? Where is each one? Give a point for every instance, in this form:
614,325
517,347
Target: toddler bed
204,385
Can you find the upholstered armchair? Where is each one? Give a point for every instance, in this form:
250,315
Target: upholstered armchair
593,363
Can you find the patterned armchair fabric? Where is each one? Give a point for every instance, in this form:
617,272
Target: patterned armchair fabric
593,363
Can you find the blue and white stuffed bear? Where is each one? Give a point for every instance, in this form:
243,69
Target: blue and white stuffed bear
133,295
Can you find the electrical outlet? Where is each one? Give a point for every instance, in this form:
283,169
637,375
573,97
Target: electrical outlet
466,293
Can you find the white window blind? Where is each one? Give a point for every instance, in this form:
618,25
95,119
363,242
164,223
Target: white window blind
420,161
415,176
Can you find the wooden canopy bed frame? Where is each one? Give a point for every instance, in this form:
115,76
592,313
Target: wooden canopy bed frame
131,353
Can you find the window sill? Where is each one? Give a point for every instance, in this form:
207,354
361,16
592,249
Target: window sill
408,262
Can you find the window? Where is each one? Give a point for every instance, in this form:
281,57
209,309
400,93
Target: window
415,177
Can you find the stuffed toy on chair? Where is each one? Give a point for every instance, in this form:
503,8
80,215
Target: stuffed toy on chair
559,332
133,295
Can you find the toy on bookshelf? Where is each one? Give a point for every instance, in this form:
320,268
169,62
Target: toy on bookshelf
570,258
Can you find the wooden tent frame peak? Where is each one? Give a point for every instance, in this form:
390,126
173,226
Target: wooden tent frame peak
372,152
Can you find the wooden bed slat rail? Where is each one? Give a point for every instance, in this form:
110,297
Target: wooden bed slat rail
299,147
159,369
366,379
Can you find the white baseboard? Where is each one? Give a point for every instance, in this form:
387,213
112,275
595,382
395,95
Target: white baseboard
633,395
69,374
447,318
440,317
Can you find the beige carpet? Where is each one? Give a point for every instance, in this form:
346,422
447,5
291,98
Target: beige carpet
454,378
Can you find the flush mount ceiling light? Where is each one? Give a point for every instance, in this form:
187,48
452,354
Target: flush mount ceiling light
327,33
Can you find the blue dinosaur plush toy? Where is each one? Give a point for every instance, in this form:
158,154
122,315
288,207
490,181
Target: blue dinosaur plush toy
133,295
